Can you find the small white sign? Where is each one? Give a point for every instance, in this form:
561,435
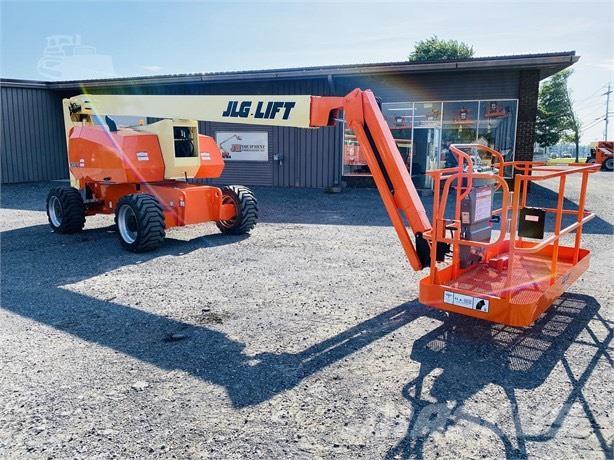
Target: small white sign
463,300
206,156
480,304
142,156
243,145
483,205
466,301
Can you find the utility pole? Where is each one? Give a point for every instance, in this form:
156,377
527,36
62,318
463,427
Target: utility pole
607,111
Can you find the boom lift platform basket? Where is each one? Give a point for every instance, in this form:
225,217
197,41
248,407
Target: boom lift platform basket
515,279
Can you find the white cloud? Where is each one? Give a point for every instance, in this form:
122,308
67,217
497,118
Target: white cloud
151,68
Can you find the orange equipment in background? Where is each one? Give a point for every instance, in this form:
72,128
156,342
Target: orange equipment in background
140,174
602,153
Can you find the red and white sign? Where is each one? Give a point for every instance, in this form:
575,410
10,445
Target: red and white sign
243,145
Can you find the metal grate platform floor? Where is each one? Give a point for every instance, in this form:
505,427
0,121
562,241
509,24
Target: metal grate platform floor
530,278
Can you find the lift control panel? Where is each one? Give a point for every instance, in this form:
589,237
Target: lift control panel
476,214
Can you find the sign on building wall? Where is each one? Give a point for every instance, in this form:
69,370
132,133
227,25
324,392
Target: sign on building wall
243,145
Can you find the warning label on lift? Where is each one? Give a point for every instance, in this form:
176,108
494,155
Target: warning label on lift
142,156
465,301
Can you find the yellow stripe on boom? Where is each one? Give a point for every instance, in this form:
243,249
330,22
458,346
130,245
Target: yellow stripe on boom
291,111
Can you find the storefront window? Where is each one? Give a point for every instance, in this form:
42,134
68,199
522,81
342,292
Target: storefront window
400,119
497,126
354,162
427,139
424,130
399,115
459,126
427,114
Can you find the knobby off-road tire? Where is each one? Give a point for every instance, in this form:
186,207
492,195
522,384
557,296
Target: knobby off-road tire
65,210
247,210
140,222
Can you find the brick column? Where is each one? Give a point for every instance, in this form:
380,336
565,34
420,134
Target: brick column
528,90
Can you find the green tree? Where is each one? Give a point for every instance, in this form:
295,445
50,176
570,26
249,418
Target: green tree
556,118
547,133
434,48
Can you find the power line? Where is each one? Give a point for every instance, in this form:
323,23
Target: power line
596,111
583,108
592,96
594,93
594,121
591,125
588,101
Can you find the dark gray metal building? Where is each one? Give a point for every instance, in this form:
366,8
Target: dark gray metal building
427,105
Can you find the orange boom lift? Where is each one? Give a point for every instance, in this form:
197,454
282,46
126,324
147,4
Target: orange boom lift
602,152
141,174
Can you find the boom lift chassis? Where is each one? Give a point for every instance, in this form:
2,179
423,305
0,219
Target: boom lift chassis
511,279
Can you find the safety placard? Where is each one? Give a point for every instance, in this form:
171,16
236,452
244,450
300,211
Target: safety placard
465,301
142,156
483,205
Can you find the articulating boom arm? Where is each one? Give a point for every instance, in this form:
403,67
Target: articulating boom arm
362,114
364,117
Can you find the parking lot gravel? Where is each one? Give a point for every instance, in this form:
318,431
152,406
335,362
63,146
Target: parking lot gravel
303,340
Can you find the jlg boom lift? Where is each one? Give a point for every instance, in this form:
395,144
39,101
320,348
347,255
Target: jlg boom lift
141,174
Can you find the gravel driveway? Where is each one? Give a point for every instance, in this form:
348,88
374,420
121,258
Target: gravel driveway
303,340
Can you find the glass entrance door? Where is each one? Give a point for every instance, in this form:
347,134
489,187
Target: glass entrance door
425,157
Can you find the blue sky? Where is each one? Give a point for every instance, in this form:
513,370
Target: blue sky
147,38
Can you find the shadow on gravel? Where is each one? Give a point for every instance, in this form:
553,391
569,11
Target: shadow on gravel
354,206
36,264
29,196
470,355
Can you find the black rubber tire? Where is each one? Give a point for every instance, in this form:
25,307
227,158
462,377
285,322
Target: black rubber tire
247,210
70,216
608,164
148,222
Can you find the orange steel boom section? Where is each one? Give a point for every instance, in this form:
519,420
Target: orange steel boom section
513,283
400,198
